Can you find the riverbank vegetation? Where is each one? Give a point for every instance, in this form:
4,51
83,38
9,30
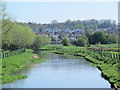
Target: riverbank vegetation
84,39
17,42
106,61
14,63
101,49
17,38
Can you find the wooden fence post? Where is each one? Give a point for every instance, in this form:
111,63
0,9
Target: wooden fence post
11,53
0,54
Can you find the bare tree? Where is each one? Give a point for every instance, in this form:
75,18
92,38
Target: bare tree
5,18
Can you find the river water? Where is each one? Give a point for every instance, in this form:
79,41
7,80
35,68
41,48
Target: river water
60,72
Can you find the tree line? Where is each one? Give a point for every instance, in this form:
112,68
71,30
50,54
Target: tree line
99,37
75,24
15,36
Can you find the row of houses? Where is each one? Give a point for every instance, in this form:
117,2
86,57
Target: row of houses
57,34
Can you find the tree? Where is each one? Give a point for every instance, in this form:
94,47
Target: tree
89,33
7,40
65,42
3,13
82,41
40,42
37,43
5,18
68,22
112,38
74,42
0,38
99,37
5,26
81,26
54,22
23,36
45,40
6,34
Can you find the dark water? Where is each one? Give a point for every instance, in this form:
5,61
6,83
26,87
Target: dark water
60,72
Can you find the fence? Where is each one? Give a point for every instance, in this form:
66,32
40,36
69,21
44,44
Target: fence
106,54
11,53
109,54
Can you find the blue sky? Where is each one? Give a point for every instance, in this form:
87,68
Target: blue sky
45,12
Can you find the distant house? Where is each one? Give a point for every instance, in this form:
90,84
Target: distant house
68,35
71,38
68,31
48,30
52,34
43,34
54,38
57,30
77,30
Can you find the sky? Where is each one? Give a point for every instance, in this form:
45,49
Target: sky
45,12
62,0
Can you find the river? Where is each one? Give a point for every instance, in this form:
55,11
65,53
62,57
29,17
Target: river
60,72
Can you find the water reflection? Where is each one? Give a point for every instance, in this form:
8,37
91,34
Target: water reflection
60,72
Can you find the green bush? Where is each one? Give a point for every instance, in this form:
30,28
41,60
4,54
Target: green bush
65,42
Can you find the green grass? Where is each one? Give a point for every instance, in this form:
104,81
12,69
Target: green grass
109,66
52,47
29,50
12,78
106,45
14,63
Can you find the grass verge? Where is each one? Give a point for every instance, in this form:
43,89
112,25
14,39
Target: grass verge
14,63
109,66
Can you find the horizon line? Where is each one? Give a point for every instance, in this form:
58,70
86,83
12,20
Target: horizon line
63,21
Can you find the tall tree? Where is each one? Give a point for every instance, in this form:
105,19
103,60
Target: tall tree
82,41
112,38
22,36
99,37
37,43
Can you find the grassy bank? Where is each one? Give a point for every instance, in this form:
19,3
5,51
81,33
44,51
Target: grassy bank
108,65
14,63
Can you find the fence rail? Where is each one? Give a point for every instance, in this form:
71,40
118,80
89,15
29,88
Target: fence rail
109,54
11,53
